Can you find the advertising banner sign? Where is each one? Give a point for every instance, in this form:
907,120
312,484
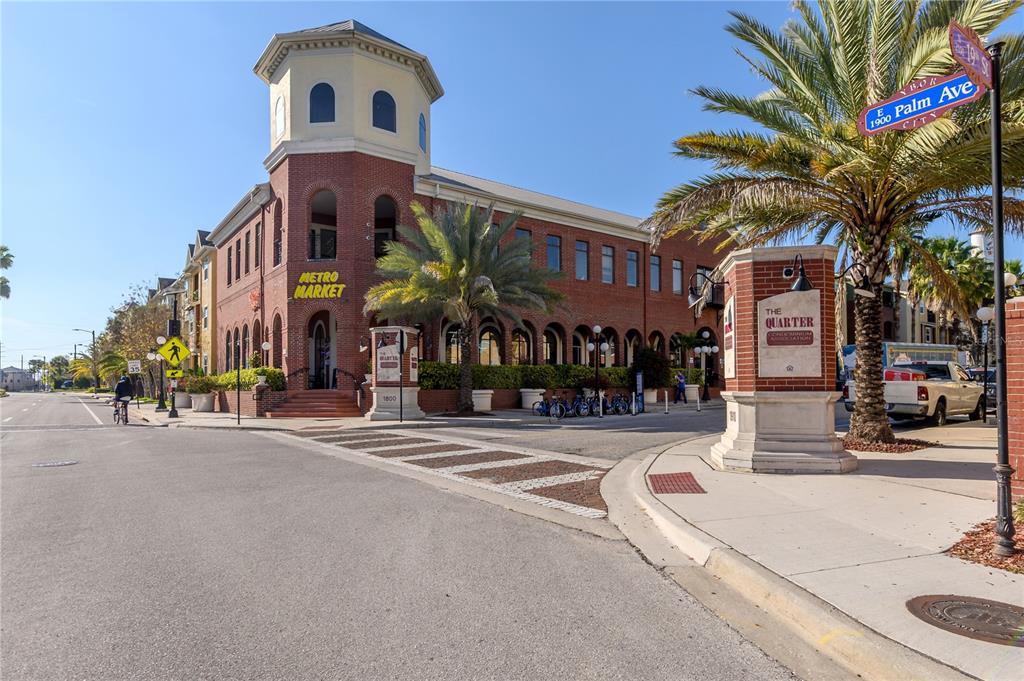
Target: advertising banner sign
729,339
414,364
789,335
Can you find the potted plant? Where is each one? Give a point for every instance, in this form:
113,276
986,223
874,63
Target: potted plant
200,389
181,396
536,380
261,375
656,372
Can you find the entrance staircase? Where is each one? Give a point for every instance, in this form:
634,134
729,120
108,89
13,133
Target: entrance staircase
317,404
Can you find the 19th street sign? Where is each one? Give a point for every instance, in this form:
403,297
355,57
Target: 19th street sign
919,103
968,51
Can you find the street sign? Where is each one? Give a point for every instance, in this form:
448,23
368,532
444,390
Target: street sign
175,373
969,52
174,351
135,366
919,103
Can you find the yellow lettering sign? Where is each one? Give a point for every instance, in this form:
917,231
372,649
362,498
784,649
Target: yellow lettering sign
318,285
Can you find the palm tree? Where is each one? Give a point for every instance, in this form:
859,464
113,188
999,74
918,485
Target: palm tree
808,173
6,260
451,265
973,276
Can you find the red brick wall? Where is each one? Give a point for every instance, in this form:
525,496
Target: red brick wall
1015,391
254,402
751,282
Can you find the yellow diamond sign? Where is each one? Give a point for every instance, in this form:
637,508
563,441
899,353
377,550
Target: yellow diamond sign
175,373
174,351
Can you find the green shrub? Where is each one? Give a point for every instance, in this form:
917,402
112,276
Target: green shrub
200,385
226,381
492,377
540,376
654,366
438,376
616,377
694,376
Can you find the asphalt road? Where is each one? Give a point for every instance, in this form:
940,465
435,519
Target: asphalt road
176,553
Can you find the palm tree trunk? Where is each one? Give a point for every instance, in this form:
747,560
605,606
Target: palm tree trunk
468,333
869,421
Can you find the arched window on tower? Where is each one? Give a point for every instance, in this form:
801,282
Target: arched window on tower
385,216
321,104
384,116
423,133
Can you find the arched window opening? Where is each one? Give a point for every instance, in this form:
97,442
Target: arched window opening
279,121
452,344
490,345
522,347
657,342
257,342
385,217
321,104
632,344
423,133
323,226
245,346
611,337
236,352
276,342
552,345
227,352
384,115
579,346
677,350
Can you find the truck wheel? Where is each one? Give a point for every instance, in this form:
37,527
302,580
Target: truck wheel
979,410
939,417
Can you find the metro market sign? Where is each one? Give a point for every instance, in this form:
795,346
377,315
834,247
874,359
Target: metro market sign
919,103
318,285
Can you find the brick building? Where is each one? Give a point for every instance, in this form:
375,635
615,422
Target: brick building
349,114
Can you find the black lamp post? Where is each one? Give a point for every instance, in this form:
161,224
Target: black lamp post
92,351
599,346
161,404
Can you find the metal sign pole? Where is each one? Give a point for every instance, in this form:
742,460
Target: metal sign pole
401,375
1004,513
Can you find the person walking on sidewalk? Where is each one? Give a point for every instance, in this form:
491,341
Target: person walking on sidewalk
680,387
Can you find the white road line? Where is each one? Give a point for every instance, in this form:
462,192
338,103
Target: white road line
411,445
441,455
25,409
86,407
8,419
536,483
465,468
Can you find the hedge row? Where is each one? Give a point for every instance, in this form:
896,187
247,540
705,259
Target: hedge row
226,381
442,376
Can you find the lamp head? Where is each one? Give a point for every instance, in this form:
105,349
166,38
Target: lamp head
802,283
597,329
161,340
985,314
265,345
714,349
1009,279
604,347
590,347
863,288
693,296
705,334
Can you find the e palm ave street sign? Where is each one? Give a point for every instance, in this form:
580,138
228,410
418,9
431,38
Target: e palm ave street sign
919,103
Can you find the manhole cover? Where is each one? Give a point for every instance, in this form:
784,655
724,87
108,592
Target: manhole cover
53,464
975,618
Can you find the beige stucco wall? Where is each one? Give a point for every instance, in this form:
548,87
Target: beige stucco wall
355,76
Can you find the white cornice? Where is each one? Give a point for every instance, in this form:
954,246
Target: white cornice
283,43
428,187
780,253
243,211
336,145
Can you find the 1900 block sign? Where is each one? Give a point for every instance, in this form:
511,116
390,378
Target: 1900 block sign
789,335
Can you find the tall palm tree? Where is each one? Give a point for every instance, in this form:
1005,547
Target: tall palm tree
451,265
973,276
806,172
6,260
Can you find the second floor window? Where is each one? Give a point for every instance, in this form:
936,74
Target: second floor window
206,270
248,247
321,104
229,265
677,277
206,316
259,245
632,265
607,264
384,115
655,272
582,260
322,243
523,233
238,259
554,249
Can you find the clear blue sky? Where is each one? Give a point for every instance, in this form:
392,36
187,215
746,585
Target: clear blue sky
126,127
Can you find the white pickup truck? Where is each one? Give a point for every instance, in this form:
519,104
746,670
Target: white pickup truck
932,390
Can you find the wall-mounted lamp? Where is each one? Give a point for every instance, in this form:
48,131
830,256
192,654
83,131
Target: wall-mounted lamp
802,283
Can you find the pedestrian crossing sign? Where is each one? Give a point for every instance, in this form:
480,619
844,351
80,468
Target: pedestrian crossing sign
175,373
174,351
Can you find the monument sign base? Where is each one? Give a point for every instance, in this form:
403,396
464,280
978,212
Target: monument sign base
385,404
781,432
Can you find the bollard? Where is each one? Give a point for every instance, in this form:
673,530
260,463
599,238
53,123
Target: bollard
698,400
632,404
666,401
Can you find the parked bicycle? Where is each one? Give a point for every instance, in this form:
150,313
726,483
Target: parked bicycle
553,408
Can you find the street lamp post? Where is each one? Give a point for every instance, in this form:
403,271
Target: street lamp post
599,346
161,404
704,351
985,316
92,351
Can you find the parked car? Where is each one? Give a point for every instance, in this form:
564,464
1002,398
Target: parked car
978,374
66,385
933,390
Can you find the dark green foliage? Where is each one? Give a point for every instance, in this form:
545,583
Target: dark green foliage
654,366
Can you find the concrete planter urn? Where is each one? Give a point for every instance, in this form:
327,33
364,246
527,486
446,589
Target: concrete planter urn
691,392
482,400
182,401
530,395
202,402
651,396
261,379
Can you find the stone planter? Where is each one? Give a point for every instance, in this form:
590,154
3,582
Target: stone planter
482,400
202,402
182,400
691,392
261,379
651,396
530,395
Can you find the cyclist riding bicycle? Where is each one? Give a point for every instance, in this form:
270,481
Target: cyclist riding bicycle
124,391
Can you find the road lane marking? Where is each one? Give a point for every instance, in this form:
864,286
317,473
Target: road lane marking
8,419
86,407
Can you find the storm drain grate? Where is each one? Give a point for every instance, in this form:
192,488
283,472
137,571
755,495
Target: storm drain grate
976,618
674,483
53,464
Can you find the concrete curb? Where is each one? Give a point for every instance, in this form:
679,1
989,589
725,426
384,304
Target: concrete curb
834,634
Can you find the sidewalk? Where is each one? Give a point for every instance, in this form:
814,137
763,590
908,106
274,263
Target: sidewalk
864,542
